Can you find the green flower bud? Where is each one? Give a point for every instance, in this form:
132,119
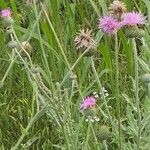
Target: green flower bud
12,44
134,32
146,78
9,31
89,111
8,21
103,133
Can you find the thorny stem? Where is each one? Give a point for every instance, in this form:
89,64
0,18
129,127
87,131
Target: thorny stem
105,145
137,93
117,89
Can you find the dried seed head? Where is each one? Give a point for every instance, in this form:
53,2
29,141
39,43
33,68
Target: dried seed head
84,39
117,7
27,47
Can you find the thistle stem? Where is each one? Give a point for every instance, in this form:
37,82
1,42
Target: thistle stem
100,86
117,88
137,93
105,145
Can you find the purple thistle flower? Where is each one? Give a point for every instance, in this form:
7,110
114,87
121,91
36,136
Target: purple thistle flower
109,25
6,13
132,19
88,103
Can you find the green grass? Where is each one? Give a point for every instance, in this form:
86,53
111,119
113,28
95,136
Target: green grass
40,95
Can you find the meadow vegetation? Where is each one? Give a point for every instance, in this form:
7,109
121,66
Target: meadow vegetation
75,75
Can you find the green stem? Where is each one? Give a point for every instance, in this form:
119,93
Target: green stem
10,66
87,138
137,93
41,44
14,37
94,135
105,145
56,37
100,86
149,90
117,88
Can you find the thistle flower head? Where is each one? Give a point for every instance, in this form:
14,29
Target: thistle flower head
133,19
6,13
84,39
117,7
109,25
88,103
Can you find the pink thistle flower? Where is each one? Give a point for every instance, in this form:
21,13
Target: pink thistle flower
132,19
88,103
109,25
6,13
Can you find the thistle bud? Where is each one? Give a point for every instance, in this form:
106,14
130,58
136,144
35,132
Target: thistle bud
134,32
90,112
103,133
8,21
146,78
9,31
12,44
